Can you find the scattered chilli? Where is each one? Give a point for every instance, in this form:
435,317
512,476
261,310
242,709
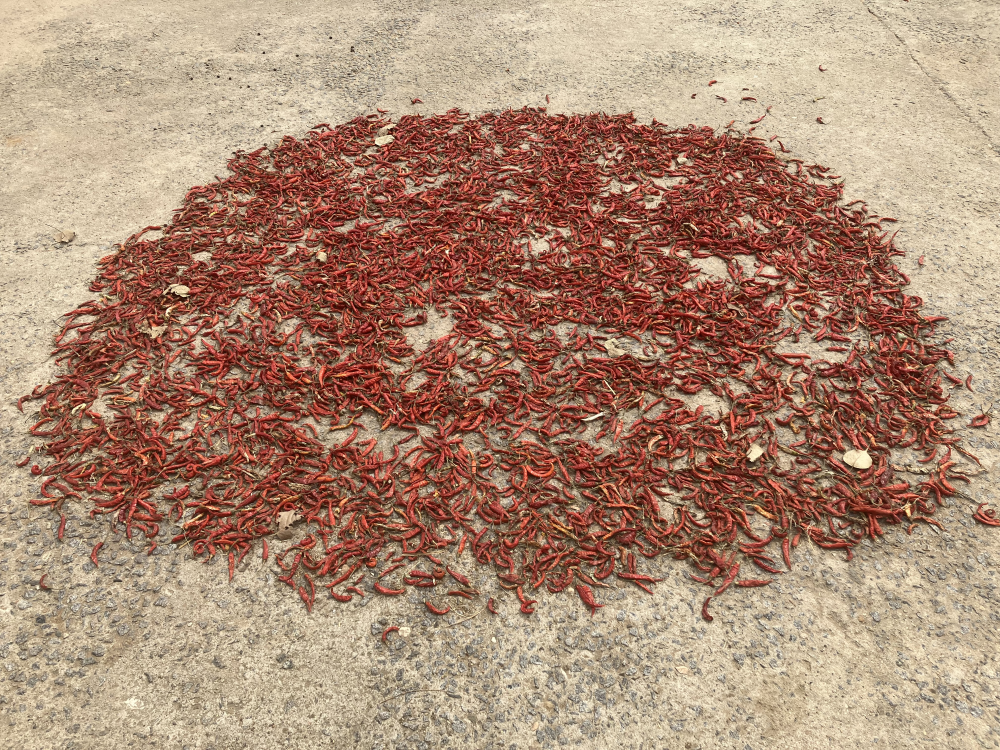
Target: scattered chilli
588,597
987,516
437,611
264,360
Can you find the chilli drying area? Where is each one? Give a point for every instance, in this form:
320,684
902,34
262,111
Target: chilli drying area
250,367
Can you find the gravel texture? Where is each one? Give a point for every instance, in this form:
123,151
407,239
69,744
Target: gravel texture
111,112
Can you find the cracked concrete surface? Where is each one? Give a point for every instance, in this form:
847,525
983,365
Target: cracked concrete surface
919,42
111,112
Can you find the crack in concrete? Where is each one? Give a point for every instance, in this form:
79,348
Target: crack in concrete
938,83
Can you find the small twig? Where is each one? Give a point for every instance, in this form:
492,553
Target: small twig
794,452
411,692
459,622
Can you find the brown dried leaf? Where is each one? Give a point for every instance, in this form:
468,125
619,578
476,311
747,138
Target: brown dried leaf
179,289
156,331
382,140
65,236
611,345
858,459
285,521
754,453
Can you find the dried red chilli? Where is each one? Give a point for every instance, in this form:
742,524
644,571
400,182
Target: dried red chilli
436,610
390,629
986,515
280,376
587,596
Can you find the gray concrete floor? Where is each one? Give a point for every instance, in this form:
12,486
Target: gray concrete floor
110,111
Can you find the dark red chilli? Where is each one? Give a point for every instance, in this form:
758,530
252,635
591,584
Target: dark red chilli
436,610
588,597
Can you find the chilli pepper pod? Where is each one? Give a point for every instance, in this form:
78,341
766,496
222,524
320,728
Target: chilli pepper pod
436,610
390,629
986,516
587,596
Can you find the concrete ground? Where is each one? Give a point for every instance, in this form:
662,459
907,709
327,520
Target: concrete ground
110,111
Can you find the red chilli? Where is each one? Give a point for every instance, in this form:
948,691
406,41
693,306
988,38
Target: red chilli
437,611
385,633
587,595
986,515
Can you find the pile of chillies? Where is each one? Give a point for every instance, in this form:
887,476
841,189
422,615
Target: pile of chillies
252,359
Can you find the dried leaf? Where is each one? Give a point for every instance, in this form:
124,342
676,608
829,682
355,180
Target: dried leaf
285,521
754,453
682,670
65,236
156,331
179,289
321,257
384,130
858,459
611,345
382,140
